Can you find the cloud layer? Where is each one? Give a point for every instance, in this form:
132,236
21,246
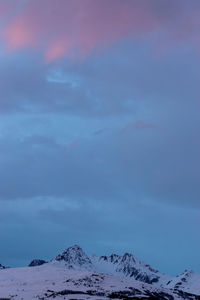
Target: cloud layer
99,107
76,28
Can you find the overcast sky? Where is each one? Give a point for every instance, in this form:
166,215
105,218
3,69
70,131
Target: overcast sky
99,130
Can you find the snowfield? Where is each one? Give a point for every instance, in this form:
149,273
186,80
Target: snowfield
43,281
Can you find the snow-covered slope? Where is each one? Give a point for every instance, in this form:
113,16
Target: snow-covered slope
51,282
189,282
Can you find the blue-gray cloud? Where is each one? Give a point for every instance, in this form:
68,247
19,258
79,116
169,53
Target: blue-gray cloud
106,147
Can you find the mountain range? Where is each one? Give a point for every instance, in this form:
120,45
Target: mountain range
75,275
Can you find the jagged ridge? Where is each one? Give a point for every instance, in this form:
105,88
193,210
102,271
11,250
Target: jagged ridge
126,265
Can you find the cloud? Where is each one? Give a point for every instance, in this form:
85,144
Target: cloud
61,122
142,225
72,27
76,28
109,168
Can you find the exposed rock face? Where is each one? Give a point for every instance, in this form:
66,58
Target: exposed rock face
37,262
2,267
75,258
114,258
188,281
129,266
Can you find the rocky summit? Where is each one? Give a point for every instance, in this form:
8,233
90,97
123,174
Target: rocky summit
37,262
75,258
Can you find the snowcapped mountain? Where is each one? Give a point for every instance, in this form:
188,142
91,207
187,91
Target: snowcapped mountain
126,265
75,258
74,275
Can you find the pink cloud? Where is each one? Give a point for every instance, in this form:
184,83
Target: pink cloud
18,36
56,50
76,28
4,8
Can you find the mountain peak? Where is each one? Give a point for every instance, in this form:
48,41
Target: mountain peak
37,262
127,257
75,248
75,258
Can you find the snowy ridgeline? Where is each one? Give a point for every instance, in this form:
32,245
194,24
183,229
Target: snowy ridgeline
74,275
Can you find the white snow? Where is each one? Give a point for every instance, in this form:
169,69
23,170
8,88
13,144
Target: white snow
189,282
33,282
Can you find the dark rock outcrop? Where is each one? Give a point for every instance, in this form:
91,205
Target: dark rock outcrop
37,262
2,267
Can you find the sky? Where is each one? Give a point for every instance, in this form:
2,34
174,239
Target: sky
99,130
